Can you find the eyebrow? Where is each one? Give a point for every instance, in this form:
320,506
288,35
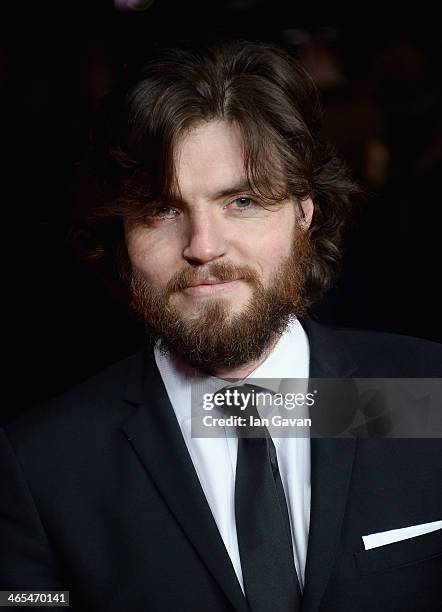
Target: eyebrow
221,193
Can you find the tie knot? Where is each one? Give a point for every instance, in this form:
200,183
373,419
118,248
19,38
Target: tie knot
243,401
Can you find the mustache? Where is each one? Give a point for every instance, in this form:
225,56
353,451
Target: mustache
216,271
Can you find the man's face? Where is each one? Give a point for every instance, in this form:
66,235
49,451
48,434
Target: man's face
212,262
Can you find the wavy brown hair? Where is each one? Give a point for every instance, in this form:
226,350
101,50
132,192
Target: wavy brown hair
261,88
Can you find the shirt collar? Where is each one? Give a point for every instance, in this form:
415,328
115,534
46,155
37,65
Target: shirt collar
288,359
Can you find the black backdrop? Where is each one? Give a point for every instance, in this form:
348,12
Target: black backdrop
382,98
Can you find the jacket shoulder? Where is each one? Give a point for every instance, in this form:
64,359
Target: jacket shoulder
391,355
83,409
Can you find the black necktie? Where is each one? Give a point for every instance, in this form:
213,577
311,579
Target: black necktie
262,522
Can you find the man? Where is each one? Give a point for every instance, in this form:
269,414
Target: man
223,212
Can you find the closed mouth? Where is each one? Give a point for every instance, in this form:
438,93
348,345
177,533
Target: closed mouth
210,287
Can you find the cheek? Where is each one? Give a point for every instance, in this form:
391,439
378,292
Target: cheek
149,259
275,246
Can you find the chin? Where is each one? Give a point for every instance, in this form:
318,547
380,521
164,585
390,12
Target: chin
196,311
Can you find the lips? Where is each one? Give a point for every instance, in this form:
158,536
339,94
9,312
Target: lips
198,283
210,287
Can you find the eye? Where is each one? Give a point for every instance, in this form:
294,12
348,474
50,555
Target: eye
161,212
243,202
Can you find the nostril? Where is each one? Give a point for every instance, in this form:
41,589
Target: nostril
201,250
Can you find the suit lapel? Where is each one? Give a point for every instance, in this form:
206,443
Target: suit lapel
155,435
331,465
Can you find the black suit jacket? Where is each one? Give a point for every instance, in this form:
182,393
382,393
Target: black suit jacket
99,496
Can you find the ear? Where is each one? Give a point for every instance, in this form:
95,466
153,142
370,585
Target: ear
307,208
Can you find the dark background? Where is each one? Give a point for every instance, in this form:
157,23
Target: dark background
382,92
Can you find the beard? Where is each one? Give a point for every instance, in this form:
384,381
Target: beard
214,337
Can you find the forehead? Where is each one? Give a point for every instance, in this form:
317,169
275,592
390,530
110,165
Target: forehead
212,160
209,155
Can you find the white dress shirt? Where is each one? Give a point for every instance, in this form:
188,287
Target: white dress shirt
215,458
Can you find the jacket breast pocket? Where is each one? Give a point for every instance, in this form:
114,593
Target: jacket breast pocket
398,554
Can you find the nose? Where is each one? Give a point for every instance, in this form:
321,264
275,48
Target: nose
205,239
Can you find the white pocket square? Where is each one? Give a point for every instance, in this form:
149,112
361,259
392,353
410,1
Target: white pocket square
374,540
